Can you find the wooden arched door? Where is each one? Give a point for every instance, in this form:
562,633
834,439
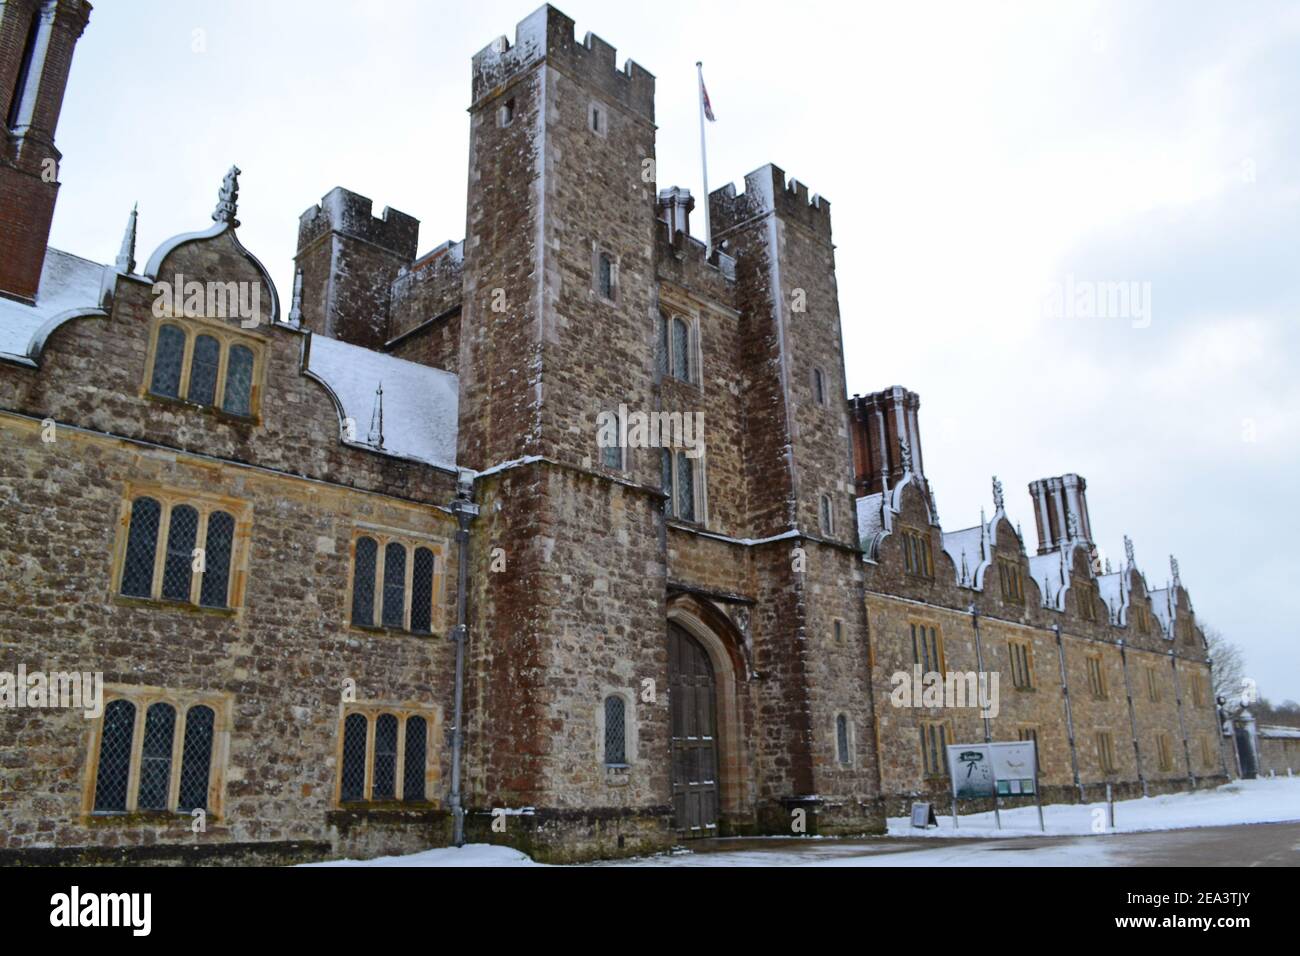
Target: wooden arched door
692,695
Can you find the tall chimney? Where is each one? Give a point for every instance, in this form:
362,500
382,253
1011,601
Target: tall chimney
886,438
1061,511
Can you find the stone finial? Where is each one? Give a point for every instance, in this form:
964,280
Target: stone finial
905,453
1128,551
228,198
997,494
126,255
376,434
1173,568
1108,568
295,312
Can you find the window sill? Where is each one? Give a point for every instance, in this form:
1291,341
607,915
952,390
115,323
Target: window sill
134,818
126,600
378,629
219,414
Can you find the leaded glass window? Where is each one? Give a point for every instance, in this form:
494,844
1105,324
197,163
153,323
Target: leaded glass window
819,386
417,729
196,758
115,736
203,370
141,547
394,584
156,756
685,487
385,773
615,731
666,482
168,358
422,591
827,515
664,349
216,574
611,455
354,759
239,381
178,564
605,276
681,349
363,582
842,739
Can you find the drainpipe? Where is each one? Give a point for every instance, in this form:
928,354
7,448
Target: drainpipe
988,736
1069,716
1132,718
466,511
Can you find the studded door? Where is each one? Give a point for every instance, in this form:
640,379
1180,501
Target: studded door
691,693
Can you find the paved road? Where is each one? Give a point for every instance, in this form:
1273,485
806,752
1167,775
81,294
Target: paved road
1261,844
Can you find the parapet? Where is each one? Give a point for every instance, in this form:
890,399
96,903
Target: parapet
766,190
344,212
547,34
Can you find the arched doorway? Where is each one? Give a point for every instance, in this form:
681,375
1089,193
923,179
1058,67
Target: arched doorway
692,698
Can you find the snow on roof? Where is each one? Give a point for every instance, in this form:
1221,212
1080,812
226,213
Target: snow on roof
966,548
419,402
1114,591
1046,571
871,522
1162,605
70,287
1273,730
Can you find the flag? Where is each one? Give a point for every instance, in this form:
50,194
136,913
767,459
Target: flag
704,99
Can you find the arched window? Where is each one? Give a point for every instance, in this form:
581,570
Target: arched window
178,562
615,731
819,386
353,784
384,782
156,756
842,740
141,547
114,756
216,574
203,370
196,758
363,582
681,349
414,761
605,275
827,515
394,585
239,381
422,591
167,361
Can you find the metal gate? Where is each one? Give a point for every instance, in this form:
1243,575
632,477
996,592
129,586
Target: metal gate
691,695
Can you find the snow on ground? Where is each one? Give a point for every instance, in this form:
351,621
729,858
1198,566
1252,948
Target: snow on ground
1266,800
1240,802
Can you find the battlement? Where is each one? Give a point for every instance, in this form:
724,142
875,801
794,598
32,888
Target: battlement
547,34
766,190
347,213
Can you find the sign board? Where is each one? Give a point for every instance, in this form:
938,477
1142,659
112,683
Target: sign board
923,816
980,770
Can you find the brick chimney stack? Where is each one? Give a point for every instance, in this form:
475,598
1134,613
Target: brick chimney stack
37,39
886,438
1061,511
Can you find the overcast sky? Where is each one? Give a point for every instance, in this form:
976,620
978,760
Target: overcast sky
978,157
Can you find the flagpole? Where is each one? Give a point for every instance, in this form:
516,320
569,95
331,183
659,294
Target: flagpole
704,163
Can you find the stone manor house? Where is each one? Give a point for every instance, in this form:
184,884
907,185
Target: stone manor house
264,516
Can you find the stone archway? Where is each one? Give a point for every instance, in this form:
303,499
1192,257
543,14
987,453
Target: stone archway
711,631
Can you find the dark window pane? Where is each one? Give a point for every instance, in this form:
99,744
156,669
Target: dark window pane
216,574
394,585
606,276
685,487
363,582
842,738
178,566
422,591
664,349
167,359
615,731
156,756
413,768
203,370
196,759
354,758
239,381
385,779
141,547
114,756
